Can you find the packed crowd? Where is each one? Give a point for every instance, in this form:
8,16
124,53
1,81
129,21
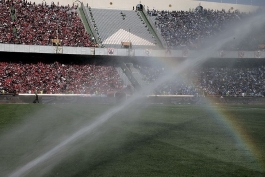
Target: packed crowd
6,31
188,29
210,81
58,78
234,81
23,22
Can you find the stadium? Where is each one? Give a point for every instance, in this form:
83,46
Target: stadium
137,88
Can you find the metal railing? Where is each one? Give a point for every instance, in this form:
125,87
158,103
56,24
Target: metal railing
158,33
94,33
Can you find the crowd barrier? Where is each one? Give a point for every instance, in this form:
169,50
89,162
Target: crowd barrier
190,99
9,98
67,99
150,99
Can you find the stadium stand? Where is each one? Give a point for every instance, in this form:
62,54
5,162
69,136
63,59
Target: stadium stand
55,78
23,22
116,26
188,29
183,28
124,78
225,81
6,32
42,24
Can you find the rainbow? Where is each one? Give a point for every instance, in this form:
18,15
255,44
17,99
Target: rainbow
244,141
242,138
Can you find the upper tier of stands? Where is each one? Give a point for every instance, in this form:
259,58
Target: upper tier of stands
189,29
23,22
115,26
6,31
28,23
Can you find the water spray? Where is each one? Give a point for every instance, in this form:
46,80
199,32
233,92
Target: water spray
196,59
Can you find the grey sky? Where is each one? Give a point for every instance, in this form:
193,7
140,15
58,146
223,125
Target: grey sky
247,2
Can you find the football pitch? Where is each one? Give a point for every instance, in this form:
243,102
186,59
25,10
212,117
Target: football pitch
144,140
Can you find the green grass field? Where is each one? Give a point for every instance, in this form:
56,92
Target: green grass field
154,140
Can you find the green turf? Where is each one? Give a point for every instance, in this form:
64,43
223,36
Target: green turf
155,140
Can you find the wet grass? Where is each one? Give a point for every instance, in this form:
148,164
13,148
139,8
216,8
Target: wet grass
154,140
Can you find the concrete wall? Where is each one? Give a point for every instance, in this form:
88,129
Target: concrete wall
46,49
155,99
159,5
145,52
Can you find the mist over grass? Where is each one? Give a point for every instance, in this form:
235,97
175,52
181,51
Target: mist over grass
160,140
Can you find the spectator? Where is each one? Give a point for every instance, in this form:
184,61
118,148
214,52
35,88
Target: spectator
188,29
210,81
58,78
39,24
